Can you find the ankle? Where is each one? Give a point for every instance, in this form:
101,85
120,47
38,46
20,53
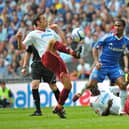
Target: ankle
60,106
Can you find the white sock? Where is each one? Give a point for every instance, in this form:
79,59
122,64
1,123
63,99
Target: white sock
84,89
123,97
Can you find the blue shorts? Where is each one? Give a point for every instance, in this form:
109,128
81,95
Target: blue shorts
113,73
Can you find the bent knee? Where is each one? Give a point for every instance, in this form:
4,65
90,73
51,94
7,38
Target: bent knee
35,84
51,45
53,86
65,79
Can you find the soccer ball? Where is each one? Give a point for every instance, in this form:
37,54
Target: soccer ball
78,35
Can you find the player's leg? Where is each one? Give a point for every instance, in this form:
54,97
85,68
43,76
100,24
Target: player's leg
36,97
53,62
96,75
55,90
123,94
35,85
50,58
59,109
118,75
64,78
56,45
49,77
90,85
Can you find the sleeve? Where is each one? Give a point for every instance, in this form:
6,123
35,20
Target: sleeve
28,39
56,36
29,49
126,51
126,40
100,42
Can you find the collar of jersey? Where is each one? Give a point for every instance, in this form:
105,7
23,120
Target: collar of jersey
118,37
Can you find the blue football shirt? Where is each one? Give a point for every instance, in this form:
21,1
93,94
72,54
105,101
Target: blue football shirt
112,48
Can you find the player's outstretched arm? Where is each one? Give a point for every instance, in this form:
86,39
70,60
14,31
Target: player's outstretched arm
25,62
58,30
95,56
19,40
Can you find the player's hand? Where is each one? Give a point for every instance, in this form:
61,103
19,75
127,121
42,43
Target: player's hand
98,65
78,51
126,69
53,26
19,35
23,71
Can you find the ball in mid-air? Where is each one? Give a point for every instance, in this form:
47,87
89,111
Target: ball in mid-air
78,35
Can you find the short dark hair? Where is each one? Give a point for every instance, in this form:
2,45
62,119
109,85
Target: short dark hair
121,20
35,19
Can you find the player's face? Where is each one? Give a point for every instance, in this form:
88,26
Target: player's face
43,22
119,28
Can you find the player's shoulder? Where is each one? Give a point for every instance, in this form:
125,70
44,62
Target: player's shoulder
127,38
107,35
33,32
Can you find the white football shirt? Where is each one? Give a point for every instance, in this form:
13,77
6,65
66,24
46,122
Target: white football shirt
100,102
40,39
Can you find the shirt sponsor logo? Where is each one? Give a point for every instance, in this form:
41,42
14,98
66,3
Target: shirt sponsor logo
46,35
116,49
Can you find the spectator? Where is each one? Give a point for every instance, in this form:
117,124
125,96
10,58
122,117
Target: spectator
3,32
2,68
6,96
94,16
10,72
83,69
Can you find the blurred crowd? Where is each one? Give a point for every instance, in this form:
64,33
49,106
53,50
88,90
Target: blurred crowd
95,17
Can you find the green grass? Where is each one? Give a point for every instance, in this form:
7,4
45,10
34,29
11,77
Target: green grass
77,118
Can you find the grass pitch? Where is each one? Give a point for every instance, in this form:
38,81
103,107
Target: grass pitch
77,118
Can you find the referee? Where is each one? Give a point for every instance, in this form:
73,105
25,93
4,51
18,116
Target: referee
39,73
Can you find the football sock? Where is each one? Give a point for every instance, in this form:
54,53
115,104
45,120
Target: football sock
63,96
36,98
56,93
84,89
123,97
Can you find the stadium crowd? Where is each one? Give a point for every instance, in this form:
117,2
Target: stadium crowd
95,17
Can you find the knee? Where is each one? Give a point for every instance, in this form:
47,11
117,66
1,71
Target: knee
53,87
35,84
123,86
51,45
64,78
